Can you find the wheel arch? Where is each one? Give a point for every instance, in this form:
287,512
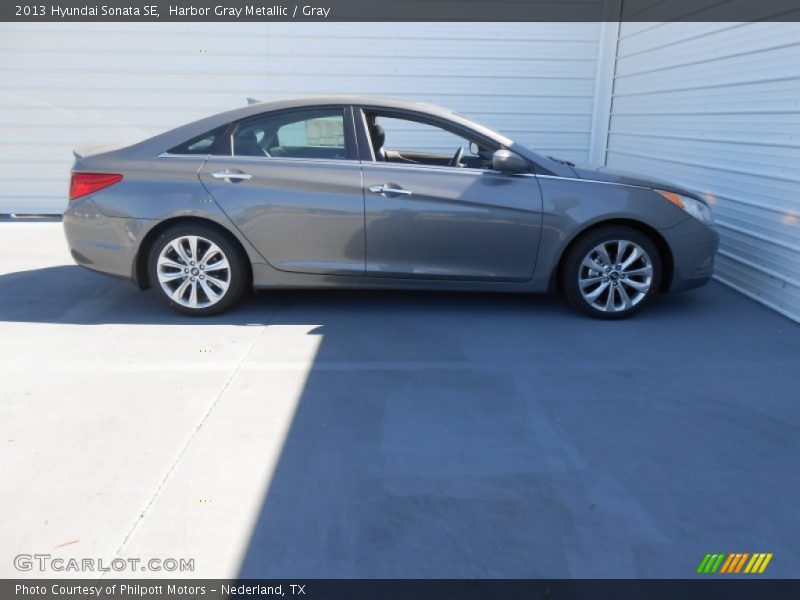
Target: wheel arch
664,251
140,268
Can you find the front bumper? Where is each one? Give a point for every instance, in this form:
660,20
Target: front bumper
694,246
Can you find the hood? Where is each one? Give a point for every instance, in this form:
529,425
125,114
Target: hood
613,176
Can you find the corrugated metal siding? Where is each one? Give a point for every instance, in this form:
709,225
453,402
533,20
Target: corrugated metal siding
71,84
717,108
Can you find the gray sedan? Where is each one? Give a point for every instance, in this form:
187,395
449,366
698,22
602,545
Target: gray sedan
374,193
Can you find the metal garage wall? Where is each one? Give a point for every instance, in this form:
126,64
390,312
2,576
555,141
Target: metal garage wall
68,84
717,107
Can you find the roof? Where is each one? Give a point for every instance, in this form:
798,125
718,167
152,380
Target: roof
354,99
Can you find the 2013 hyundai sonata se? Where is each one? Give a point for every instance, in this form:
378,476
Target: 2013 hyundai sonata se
373,193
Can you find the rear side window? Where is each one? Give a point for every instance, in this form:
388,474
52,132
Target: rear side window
314,134
202,144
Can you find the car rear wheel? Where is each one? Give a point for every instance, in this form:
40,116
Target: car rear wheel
612,272
196,270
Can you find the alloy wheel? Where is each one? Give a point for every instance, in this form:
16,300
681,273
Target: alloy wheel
615,275
193,271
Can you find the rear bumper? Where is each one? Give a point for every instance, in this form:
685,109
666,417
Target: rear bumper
694,247
102,243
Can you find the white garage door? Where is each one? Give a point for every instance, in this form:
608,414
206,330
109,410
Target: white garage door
717,107
68,84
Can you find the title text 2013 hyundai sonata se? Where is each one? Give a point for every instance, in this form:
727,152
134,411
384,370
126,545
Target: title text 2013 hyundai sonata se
373,193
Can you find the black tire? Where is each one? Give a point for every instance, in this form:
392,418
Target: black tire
616,287
237,271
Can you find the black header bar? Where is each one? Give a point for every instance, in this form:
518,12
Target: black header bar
399,10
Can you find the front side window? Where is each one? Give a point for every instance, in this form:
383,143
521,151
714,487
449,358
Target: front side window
312,134
396,139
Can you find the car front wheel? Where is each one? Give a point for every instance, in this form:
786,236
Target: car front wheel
196,270
612,272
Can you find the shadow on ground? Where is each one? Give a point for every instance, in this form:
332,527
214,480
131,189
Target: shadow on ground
482,435
70,294
496,436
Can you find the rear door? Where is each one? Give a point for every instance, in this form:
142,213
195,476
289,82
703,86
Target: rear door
292,184
433,214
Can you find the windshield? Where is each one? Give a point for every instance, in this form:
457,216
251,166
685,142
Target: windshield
502,138
544,164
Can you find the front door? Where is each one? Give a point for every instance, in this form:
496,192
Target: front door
434,211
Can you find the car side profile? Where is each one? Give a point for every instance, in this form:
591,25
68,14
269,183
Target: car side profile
374,193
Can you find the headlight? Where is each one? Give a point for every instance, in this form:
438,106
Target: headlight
699,210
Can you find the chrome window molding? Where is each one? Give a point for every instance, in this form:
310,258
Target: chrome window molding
342,161
461,170
337,161
170,155
285,159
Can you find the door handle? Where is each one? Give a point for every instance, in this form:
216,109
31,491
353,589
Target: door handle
231,175
385,189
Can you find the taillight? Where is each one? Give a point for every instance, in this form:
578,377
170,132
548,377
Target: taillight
86,183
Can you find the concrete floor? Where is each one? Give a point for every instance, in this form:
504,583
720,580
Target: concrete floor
361,434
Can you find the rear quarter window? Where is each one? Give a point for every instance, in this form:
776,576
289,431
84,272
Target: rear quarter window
201,144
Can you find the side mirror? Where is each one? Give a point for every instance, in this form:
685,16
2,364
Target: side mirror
507,161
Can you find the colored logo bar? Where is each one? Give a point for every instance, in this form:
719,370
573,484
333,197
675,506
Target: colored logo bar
734,563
